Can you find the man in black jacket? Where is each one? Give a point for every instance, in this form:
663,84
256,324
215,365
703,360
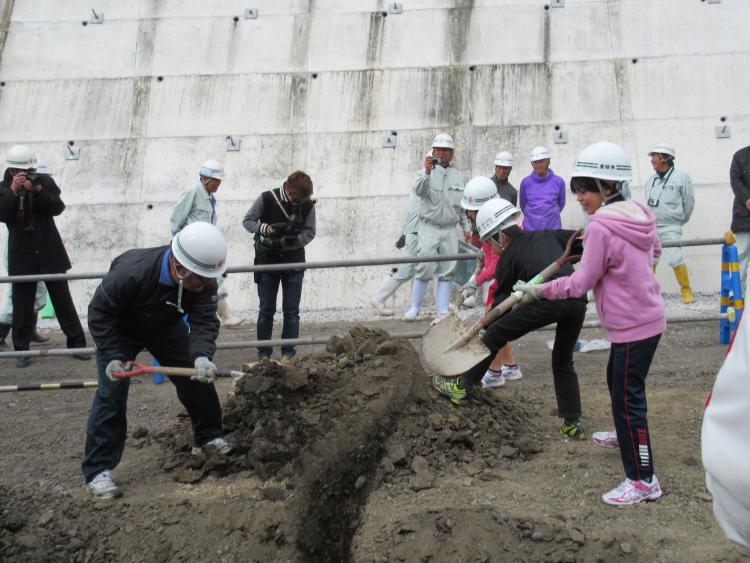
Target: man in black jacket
739,177
283,222
523,255
28,204
140,304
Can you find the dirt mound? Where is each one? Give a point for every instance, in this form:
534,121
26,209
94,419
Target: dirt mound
485,535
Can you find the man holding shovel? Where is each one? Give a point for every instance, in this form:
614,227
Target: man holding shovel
524,255
140,304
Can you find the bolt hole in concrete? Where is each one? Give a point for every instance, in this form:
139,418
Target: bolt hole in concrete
84,23
149,207
634,61
384,14
71,143
546,7
314,74
722,118
159,78
557,127
2,84
235,19
472,68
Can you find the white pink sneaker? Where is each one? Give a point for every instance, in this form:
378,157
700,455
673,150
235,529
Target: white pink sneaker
633,492
492,379
605,439
512,373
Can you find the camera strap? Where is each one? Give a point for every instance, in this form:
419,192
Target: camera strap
281,206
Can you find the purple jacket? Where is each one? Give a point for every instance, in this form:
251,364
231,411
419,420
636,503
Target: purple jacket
542,200
619,247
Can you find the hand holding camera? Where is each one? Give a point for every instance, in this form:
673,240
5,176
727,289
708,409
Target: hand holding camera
401,242
26,180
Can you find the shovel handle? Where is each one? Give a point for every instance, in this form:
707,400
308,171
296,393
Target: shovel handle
139,369
509,302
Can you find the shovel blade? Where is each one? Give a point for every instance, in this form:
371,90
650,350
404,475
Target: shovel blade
434,353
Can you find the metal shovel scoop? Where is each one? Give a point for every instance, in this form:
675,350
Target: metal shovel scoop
449,348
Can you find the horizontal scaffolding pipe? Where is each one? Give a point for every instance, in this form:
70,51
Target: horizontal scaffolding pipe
312,340
319,265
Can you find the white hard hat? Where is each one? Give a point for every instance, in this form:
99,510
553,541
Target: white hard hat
604,161
443,141
477,191
21,157
504,159
539,153
212,169
662,148
496,215
202,249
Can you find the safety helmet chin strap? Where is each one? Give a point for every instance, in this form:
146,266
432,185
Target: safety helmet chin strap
180,287
615,193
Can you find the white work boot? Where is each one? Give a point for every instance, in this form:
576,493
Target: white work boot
443,297
417,296
387,288
228,320
103,487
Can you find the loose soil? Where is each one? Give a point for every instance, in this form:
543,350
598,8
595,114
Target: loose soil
348,455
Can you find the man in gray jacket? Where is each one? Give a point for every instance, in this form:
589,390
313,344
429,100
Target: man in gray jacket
669,194
439,187
739,178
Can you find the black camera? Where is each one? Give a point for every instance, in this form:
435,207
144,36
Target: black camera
31,175
437,161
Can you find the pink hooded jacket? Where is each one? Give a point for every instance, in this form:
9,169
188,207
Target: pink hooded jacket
490,264
619,246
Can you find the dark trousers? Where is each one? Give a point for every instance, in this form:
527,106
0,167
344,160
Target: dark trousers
108,426
23,313
569,315
626,378
291,293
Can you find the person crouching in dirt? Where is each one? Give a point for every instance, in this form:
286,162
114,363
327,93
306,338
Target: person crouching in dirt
524,255
283,222
477,192
621,243
139,304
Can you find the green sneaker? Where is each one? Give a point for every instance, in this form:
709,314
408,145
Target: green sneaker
449,387
573,431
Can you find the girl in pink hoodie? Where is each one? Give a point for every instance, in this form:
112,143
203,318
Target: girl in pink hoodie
620,244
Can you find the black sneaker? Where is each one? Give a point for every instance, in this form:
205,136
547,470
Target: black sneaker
23,362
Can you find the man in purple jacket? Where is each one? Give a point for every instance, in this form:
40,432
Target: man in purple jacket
542,194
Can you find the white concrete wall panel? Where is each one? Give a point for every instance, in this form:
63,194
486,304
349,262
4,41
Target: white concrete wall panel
35,111
74,10
489,42
213,46
690,86
676,27
220,105
50,51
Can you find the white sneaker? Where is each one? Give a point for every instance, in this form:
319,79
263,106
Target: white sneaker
492,379
605,439
411,314
512,373
633,492
103,487
218,445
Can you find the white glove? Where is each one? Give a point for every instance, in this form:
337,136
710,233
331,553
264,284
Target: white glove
470,287
531,292
205,370
116,366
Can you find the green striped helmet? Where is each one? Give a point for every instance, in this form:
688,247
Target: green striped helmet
202,249
604,161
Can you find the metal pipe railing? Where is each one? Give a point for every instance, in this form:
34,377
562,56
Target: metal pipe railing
310,340
326,264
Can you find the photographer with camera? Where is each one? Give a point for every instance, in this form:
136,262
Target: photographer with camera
28,204
283,222
440,188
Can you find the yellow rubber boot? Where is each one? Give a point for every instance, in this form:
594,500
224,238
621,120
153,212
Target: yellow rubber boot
681,273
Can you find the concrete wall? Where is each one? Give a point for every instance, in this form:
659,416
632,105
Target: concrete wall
315,84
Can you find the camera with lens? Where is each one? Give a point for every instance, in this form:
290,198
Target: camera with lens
32,176
437,161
